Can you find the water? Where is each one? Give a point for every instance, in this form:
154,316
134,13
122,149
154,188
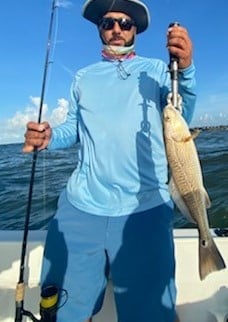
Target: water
54,168
212,146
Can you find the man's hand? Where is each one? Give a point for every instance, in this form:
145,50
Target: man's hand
37,136
179,44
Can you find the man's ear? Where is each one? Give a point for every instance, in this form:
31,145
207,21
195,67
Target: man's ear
101,36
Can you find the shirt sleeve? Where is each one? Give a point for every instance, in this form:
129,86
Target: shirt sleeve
187,90
65,135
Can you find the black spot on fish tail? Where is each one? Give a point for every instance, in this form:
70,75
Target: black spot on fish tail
204,243
210,259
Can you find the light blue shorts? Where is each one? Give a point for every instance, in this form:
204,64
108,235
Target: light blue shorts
136,251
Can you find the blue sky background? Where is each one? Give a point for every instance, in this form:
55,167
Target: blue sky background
24,29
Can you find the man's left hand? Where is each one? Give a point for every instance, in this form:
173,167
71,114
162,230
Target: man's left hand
179,44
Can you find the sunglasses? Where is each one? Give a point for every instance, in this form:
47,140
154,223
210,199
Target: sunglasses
107,23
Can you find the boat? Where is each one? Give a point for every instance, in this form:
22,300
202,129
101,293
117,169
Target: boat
197,301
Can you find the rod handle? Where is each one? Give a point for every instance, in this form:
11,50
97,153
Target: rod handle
173,58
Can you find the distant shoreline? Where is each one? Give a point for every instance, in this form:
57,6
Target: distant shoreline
211,128
200,128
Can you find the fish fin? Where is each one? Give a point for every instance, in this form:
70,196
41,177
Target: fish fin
187,138
195,133
210,259
182,139
192,136
207,199
179,201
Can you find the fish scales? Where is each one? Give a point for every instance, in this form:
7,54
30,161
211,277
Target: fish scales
187,187
186,173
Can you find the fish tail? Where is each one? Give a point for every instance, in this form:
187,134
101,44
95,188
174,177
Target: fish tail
210,259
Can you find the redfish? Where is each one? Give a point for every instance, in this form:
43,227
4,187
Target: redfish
187,187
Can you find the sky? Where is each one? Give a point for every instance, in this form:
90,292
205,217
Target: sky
75,43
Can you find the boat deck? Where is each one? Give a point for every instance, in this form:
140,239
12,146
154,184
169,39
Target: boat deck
197,301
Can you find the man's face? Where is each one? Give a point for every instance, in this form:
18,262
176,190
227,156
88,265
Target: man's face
117,36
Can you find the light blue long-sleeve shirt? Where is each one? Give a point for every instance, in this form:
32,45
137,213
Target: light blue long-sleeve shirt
116,115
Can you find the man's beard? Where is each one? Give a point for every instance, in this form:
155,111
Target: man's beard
127,44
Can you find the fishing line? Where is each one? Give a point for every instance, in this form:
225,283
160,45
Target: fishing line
20,288
50,64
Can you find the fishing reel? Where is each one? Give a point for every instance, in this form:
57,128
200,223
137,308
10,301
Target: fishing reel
49,305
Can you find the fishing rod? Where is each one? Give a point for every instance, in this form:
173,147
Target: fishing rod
173,69
20,288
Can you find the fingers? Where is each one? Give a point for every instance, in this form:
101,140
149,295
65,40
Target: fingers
36,136
179,44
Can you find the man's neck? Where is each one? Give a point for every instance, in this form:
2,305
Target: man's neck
118,52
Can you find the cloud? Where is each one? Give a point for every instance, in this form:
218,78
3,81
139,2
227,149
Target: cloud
213,120
12,129
58,114
211,109
202,118
64,3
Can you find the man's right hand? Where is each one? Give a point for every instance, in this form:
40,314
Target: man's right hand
37,136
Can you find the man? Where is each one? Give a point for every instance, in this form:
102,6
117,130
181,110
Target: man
115,216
